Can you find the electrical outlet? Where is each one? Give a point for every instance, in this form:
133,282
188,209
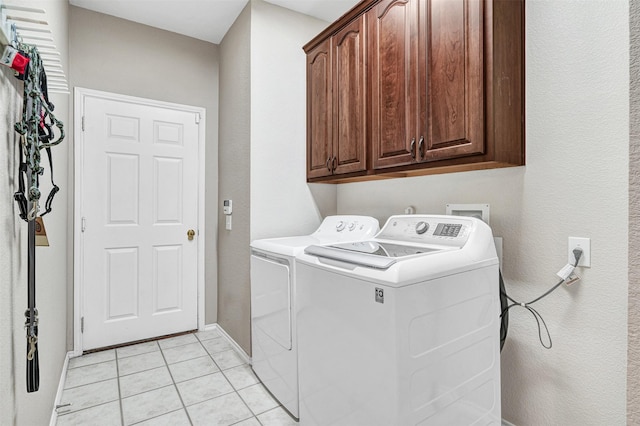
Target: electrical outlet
585,245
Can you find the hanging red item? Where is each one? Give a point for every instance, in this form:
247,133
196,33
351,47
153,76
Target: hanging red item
13,58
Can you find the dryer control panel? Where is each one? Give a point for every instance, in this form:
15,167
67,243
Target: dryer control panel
346,228
427,229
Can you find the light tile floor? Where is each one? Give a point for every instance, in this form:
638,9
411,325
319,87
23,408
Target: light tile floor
193,379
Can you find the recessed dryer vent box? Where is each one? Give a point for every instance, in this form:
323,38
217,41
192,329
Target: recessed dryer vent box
479,211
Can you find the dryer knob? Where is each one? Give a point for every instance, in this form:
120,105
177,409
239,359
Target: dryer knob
352,226
422,227
340,226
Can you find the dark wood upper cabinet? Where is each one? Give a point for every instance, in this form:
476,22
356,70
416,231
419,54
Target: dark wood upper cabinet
336,107
349,99
451,79
319,111
392,28
417,87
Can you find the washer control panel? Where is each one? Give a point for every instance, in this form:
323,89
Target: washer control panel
440,230
422,227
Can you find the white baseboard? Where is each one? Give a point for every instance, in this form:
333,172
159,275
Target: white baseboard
232,342
63,378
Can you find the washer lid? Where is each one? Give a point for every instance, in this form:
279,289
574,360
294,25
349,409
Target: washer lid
287,246
372,254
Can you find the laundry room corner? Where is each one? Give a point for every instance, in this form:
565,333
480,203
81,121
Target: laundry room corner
161,58
18,406
262,88
307,163
577,98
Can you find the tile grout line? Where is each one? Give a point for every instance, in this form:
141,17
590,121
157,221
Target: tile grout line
230,384
159,415
88,384
241,398
71,413
117,358
184,407
74,412
119,391
252,417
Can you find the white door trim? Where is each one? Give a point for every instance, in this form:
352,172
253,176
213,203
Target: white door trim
80,94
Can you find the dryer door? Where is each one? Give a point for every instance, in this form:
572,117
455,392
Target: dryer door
271,298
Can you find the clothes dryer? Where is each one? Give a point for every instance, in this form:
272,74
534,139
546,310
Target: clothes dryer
402,329
273,300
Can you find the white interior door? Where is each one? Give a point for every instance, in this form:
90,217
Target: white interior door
139,199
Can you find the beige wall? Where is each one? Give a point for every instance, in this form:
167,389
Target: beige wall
262,148
575,183
235,140
119,56
633,365
16,405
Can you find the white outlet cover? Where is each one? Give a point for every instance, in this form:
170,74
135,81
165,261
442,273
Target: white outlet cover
585,245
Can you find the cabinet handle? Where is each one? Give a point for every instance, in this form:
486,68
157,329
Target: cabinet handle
329,163
335,163
421,147
413,148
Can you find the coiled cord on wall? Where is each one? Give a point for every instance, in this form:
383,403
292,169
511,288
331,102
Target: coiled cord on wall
505,307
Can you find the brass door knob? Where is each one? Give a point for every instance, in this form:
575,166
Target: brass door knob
190,234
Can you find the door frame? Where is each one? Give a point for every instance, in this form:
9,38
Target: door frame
80,94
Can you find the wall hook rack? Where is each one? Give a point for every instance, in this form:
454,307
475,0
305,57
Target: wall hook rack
29,25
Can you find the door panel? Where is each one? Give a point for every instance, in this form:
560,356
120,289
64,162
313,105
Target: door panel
122,184
167,280
139,198
349,139
319,111
390,26
455,119
122,283
167,188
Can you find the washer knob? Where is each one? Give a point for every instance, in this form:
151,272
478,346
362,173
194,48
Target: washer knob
422,227
352,226
340,226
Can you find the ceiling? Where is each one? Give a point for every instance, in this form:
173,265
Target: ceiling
207,20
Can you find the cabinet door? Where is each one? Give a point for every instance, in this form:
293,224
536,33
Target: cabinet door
319,111
451,75
349,99
392,30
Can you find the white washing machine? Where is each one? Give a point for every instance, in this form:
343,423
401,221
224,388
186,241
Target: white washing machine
402,329
273,296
